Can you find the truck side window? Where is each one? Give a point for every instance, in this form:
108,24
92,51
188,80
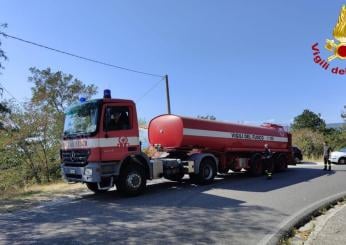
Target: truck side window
118,118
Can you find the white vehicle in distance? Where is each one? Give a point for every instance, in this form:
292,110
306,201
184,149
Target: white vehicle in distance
338,157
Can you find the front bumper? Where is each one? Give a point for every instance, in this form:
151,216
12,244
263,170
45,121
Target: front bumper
333,159
92,172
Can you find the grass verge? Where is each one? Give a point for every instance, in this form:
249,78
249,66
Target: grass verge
306,159
301,231
36,194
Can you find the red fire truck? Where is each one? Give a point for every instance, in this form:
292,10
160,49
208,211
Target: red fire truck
101,147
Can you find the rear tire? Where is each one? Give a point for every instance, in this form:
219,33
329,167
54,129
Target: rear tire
94,188
281,163
296,160
256,166
207,172
132,180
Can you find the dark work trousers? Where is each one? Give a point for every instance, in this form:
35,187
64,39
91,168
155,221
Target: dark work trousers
269,166
326,161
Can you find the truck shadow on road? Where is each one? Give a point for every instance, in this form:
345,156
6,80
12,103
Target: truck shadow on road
289,177
168,212
235,181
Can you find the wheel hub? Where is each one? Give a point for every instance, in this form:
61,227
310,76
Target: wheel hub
134,180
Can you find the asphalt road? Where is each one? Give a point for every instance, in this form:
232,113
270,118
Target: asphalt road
235,209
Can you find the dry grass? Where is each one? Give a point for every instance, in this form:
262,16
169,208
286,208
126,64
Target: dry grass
37,194
313,159
304,235
301,235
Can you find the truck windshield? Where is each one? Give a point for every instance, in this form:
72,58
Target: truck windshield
81,119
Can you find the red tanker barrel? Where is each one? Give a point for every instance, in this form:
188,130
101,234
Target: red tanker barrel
171,131
166,130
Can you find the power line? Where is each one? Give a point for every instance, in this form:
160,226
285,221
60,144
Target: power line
2,87
8,92
150,89
80,57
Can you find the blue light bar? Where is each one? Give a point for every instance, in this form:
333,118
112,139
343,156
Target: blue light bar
107,94
82,99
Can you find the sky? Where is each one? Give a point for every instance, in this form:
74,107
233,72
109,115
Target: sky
241,61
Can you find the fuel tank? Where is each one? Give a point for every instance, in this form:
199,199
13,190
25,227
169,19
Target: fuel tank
177,132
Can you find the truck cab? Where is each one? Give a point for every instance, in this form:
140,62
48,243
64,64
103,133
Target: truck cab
99,137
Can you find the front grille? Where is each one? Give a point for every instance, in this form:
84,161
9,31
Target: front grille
74,176
75,157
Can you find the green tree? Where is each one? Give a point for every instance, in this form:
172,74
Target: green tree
52,93
309,120
56,90
29,151
4,110
13,170
3,56
336,138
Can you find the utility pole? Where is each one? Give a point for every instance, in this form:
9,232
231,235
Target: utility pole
167,96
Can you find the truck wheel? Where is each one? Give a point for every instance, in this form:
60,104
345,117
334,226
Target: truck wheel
296,160
281,163
132,180
176,177
256,166
207,171
93,187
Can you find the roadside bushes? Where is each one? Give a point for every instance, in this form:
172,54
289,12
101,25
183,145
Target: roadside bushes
309,141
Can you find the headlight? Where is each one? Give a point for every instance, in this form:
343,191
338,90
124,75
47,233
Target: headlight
88,171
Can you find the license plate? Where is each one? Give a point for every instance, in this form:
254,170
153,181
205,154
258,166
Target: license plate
72,171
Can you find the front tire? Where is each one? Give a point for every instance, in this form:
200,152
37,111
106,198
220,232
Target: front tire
281,163
94,188
132,180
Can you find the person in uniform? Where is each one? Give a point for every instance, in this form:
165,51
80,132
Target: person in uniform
326,153
267,155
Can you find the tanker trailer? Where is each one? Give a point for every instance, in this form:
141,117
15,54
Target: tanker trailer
101,147
215,146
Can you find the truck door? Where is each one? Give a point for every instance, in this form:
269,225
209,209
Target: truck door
120,137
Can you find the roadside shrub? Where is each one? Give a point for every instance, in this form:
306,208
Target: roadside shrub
309,141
